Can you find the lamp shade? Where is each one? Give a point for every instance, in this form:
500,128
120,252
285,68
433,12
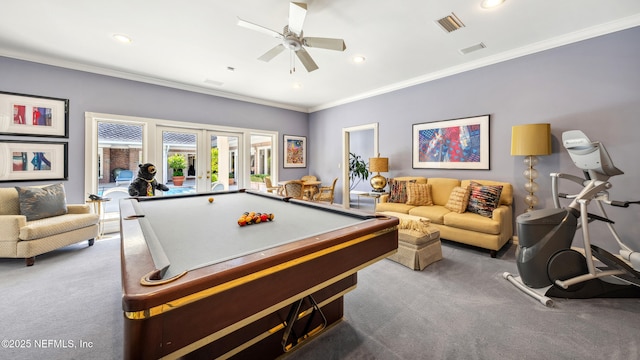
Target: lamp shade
531,139
378,164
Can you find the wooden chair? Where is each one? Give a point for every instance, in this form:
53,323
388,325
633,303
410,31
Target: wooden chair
310,190
325,193
270,187
294,189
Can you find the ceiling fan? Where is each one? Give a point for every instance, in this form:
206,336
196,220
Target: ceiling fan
293,39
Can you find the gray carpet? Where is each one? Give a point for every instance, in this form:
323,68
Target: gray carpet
66,306
457,308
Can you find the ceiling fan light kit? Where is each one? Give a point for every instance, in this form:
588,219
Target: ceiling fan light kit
292,38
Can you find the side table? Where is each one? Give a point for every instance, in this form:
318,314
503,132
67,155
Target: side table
97,205
371,194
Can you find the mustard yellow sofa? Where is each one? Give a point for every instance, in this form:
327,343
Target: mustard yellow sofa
490,231
24,238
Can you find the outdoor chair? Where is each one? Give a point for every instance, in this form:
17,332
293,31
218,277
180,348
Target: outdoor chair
125,176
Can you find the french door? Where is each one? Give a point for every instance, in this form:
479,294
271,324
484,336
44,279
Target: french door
212,159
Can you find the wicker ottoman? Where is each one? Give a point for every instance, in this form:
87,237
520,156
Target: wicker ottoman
418,243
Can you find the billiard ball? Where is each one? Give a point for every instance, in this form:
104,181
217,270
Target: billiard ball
210,199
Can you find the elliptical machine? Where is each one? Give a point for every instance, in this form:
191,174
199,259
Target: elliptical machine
547,264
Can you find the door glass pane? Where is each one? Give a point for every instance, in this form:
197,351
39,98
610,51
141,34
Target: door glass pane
119,153
179,145
225,172
261,161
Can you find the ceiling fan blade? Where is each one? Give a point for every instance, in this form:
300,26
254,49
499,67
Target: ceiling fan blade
262,29
325,43
272,53
306,60
297,13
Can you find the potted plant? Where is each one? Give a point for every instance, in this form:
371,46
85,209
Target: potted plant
177,162
358,170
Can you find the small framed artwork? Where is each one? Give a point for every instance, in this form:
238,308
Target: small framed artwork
295,151
33,160
32,115
452,144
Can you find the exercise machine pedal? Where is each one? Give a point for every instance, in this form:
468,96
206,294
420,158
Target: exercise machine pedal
630,276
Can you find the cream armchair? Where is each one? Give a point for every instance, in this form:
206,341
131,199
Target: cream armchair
23,238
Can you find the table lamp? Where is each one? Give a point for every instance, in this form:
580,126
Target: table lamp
529,141
378,164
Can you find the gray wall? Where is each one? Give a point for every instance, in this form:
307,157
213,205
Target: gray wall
592,85
103,94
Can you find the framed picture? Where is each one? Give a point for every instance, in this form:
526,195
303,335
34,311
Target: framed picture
33,160
33,115
452,144
295,151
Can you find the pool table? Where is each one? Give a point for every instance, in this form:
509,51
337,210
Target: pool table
197,285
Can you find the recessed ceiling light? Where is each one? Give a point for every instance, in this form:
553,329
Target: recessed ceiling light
358,59
488,4
122,38
297,85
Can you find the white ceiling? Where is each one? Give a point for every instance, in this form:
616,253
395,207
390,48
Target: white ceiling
190,44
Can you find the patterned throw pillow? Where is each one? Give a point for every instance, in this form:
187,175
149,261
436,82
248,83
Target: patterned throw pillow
39,203
458,200
484,199
419,194
398,192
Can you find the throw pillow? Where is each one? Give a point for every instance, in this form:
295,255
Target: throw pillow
484,199
419,194
398,191
39,203
458,199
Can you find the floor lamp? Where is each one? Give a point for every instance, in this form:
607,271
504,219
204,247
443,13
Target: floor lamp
378,164
530,141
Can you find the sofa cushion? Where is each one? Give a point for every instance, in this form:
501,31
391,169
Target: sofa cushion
484,198
441,188
38,229
419,194
42,202
398,191
472,222
395,207
458,200
434,213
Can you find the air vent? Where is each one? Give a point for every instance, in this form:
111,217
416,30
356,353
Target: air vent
450,23
472,48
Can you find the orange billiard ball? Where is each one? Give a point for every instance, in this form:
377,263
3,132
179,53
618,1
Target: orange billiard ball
210,199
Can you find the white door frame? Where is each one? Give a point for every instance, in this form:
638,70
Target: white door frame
346,196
